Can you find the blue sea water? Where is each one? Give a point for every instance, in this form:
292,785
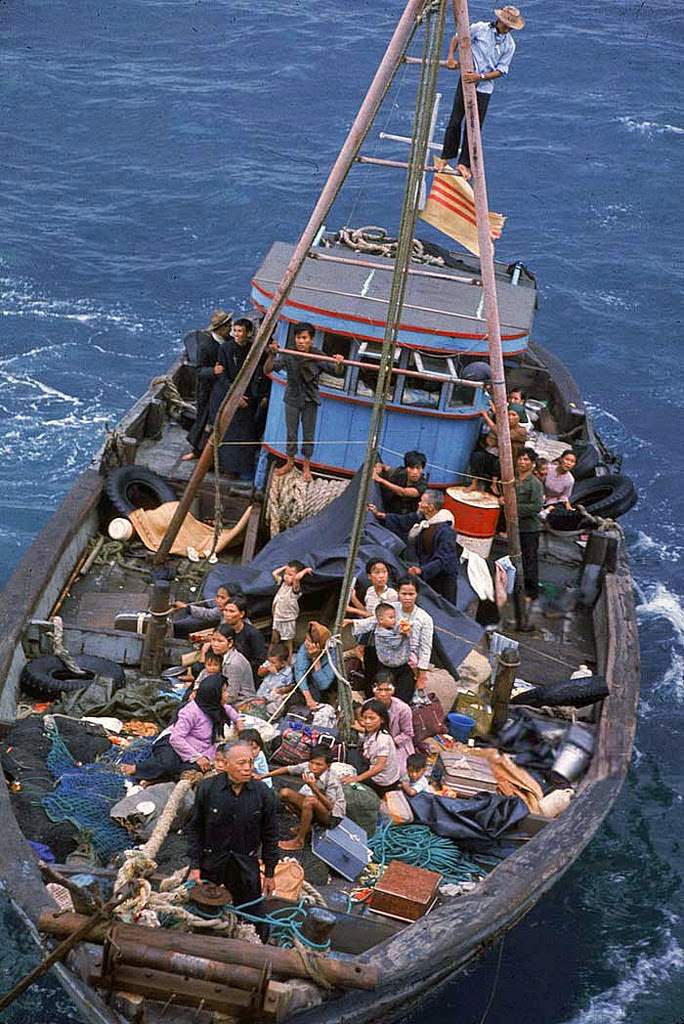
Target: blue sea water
151,152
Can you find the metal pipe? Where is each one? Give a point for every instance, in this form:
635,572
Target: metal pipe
413,272
406,138
490,301
345,160
401,164
442,377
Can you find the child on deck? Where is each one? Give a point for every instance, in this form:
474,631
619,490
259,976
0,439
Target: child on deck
302,395
415,780
253,739
276,677
392,641
379,749
286,602
322,796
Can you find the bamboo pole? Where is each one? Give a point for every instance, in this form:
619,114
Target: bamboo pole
338,174
434,28
443,377
491,303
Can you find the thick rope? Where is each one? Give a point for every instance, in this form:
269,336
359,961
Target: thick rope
376,241
172,395
60,651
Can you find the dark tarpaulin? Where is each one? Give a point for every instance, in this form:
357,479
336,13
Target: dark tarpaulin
322,542
477,824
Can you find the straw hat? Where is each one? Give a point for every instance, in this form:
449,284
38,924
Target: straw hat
510,16
219,318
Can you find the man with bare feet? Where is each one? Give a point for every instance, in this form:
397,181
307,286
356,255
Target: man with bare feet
320,799
493,48
302,395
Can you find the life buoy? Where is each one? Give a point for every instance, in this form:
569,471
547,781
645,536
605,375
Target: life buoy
132,487
608,496
49,676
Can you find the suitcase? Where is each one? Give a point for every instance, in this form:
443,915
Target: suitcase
428,719
467,774
405,892
342,848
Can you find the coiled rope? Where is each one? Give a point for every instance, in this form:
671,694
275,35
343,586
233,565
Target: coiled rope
418,845
377,242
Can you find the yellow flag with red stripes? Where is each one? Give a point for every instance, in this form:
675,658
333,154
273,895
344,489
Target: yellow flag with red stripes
450,208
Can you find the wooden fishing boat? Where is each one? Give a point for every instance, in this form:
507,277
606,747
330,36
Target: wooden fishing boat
60,574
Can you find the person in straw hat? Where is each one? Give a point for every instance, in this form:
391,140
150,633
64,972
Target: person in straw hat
493,49
204,352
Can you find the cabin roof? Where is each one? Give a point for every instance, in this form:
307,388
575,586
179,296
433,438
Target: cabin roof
436,306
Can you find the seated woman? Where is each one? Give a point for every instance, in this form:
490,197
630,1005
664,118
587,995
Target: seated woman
400,717
312,661
235,667
559,481
403,668
194,617
378,573
383,773
190,743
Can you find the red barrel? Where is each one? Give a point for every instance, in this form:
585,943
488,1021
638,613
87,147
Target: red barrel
476,514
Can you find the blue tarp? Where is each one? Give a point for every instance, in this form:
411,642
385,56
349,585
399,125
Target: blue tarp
322,542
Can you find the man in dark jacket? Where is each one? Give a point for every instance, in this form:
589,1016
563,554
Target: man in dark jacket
234,818
429,534
203,348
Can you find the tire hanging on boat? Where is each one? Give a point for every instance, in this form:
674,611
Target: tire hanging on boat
132,487
608,496
48,676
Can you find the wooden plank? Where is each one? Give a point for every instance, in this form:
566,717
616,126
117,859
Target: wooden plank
178,989
97,610
251,534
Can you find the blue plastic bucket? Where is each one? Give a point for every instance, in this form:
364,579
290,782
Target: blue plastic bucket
460,726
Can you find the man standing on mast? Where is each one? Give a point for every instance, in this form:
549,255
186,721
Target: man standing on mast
493,49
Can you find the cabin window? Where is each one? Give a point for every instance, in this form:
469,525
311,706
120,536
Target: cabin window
461,395
426,392
370,352
335,344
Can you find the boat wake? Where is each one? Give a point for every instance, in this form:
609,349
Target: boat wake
663,604
650,128
639,977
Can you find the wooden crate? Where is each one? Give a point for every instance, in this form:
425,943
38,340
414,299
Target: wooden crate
405,892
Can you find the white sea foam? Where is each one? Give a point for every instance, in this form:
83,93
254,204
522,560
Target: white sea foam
663,604
640,978
650,127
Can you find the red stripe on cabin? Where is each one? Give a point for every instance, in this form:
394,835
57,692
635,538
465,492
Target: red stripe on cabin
382,323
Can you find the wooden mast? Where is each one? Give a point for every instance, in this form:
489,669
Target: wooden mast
490,300
345,160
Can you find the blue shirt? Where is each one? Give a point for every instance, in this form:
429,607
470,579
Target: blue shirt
491,51
322,677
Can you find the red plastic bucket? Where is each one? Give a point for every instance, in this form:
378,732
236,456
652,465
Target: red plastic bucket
476,514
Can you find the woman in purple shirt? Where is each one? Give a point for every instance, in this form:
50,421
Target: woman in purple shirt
190,742
400,717
559,481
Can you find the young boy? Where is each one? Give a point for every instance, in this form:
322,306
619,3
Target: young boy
415,781
321,798
392,641
276,677
286,602
302,396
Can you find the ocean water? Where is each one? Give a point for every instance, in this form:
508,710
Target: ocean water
151,152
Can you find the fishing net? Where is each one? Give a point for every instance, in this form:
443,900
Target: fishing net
85,794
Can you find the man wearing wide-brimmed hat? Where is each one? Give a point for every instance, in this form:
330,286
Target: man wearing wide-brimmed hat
493,49
203,349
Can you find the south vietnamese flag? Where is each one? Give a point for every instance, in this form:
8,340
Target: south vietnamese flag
450,208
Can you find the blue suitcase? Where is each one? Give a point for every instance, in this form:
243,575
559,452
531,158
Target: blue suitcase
343,848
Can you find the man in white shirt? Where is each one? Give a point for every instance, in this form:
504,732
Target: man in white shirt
493,48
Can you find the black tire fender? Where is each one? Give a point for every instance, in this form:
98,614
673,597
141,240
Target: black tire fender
49,676
132,487
609,496
587,460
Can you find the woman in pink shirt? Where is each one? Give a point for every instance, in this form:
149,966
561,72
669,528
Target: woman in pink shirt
559,481
190,743
400,717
